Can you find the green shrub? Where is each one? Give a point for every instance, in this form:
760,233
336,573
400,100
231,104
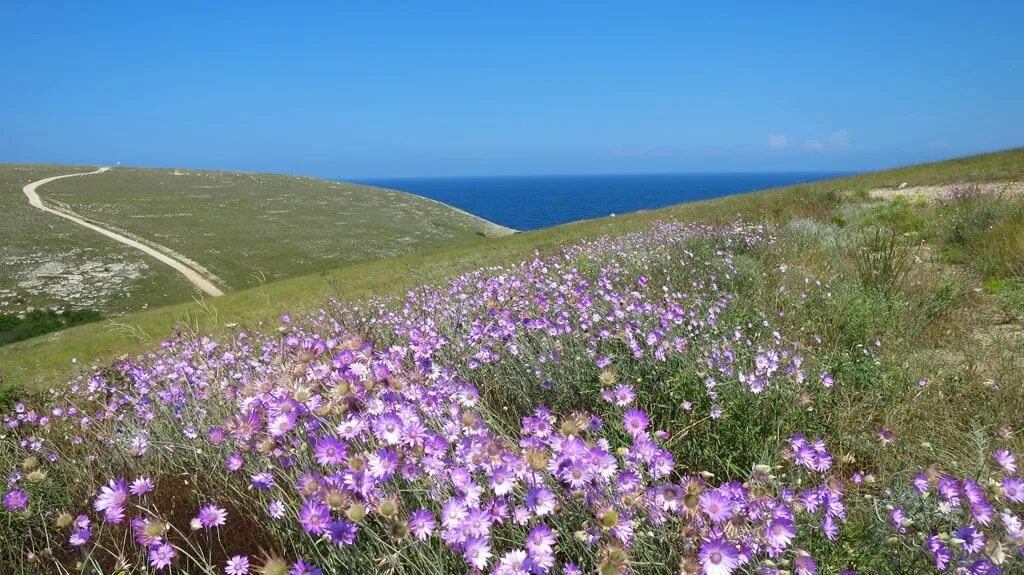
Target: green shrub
882,258
38,322
899,214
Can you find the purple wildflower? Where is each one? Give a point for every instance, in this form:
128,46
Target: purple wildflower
477,552
342,532
1006,460
235,462
161,556
314,517
540,540
1013,489
635,422
897,517
779,533
716,506
237,565
275,509
330,451
141,486
16,500
301,567
212,516
422,524
718,557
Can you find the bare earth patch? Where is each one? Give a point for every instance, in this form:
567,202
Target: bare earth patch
933,193
83,282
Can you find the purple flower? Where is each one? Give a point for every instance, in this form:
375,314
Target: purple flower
237,565
921,483
330,451
635,421
275,509
314,517
624,395
141,486
939,552
161,556
540,501
886,436
81,535
262,481
540,540
477,552
342,532
514,562
716,506
1013,489
235,462
779,533
827,380
897,518
422,524
16,500
1006,460
718,557
949,489
111,500
812,455
212,516
982,512
974,540
303,568
804,565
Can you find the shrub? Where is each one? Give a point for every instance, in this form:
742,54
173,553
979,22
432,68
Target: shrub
38,322
882,258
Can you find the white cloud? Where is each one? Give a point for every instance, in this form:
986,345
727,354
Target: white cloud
777,140
839,138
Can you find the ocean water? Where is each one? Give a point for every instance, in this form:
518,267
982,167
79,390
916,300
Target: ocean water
532,202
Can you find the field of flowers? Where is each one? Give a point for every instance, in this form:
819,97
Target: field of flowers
659,402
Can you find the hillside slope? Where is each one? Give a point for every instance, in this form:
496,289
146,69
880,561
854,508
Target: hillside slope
44,361
245,229
829,385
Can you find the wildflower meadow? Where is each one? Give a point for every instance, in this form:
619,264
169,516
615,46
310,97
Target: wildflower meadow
686,398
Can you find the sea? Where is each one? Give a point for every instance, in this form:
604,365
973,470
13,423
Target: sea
532,202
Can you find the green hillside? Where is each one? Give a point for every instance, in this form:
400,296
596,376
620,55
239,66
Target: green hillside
47,360
242,229
824,377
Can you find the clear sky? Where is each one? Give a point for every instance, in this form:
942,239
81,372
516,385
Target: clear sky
383,88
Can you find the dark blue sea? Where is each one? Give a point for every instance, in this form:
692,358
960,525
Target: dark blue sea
531,202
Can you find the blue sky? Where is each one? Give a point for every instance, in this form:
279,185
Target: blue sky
377,89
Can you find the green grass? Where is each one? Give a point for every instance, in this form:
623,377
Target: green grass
46,261
245,229
47,361
891,309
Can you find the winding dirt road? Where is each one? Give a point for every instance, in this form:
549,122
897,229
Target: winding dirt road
202,282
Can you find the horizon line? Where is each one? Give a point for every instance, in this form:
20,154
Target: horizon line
839,173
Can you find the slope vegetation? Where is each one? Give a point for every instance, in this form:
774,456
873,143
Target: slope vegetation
44,361
239,230
803,381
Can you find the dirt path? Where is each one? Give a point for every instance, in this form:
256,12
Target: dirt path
202,282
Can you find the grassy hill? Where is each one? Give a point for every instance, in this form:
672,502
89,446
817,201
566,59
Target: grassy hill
824,379
47,360
244,229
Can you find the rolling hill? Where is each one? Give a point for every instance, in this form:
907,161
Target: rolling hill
47,360
236,230
787,374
